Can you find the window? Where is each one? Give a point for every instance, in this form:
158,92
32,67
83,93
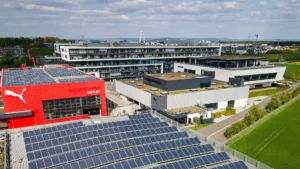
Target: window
70,107
230,103
212,106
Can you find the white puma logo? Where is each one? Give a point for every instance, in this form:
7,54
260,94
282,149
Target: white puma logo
10,93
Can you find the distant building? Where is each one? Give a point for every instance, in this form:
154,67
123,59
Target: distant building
129,60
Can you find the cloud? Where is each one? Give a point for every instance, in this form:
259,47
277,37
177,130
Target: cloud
230,5
263,3
131,4
120,18
280,4
255,13
94,12
33,7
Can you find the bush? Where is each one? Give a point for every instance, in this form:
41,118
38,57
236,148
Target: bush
234,129
275,102
255,113
229,111
286,96
296,92
249,119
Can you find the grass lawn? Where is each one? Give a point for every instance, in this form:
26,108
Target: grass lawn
290,68
200,126
276,141
41,51
267,92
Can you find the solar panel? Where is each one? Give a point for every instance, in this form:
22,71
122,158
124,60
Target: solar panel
239,165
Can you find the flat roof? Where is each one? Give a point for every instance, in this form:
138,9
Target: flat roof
174,76
133,47
215,85
41,76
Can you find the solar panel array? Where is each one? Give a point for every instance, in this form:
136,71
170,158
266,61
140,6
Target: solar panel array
64,72
142,141
26,77
238,164
78,79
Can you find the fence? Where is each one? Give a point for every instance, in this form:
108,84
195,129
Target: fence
262,119
6,152
218,146
233,153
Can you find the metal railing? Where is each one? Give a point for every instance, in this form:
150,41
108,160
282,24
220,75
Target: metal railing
6,152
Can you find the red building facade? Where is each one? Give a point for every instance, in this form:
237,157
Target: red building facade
57,97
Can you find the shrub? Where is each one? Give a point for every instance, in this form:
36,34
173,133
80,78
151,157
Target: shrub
229,111
275,102
249,119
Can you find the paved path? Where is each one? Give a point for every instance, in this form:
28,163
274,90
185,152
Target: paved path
216,131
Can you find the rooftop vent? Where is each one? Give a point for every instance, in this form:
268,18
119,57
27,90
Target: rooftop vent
193,90
225,86
213,83
209,88
132,81
164,93
182,75
153,89
139,84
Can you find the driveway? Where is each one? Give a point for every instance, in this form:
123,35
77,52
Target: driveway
216,131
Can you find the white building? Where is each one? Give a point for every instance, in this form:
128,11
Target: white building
255,73
130,60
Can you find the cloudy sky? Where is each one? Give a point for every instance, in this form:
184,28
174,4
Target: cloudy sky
157,18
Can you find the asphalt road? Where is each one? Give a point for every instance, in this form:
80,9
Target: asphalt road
216,131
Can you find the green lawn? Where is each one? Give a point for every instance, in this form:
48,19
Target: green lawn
200,126
275,142
267,92
290,68
41,51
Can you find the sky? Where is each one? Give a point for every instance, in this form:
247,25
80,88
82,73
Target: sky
156,18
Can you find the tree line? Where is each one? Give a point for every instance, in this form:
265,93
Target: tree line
29,42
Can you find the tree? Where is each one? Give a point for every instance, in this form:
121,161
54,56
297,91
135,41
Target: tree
257,112
275,102
249,119
250,51
285,97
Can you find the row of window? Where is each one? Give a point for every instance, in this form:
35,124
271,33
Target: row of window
257,77
69,107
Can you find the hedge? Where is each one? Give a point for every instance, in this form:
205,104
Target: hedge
229,111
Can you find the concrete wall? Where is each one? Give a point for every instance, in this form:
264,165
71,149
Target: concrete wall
134,93
240,102
222,75
206,97
222,105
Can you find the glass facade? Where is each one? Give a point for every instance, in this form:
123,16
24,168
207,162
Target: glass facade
70,107
257,77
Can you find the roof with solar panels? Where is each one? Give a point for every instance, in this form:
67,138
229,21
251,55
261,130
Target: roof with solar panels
137,141
40,76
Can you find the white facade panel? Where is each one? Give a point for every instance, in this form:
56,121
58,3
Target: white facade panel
222,105
240,102
224,75
206,97
134,93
